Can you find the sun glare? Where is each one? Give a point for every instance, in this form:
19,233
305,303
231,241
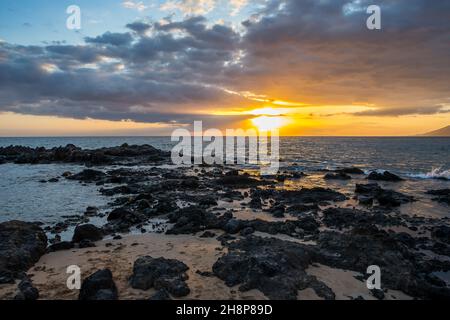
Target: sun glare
267,123
266,112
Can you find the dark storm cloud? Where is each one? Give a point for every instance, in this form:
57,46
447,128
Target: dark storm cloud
318,52
322,52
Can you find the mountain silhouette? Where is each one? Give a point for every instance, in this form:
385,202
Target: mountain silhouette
443,132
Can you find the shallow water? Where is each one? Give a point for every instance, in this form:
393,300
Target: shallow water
23,197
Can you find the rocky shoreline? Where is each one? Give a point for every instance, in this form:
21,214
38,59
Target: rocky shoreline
268,252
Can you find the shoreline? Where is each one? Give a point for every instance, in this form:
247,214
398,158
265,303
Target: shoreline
249,237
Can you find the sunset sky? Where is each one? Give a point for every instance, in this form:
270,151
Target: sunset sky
307,67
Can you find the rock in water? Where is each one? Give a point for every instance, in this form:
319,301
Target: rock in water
160,273
385,176
99,286
73,154
387,198
87,175
21,246
350,170
87,232
337,176
442,195
119,214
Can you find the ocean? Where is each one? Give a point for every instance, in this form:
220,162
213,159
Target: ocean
424,162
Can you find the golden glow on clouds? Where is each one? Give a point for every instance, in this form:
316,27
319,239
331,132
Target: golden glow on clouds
12,124
268,111
320,120
287,103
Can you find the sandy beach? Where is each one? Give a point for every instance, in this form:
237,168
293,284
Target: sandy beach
49,274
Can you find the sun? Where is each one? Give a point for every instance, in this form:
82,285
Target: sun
268,123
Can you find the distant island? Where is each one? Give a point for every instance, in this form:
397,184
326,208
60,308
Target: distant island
443,132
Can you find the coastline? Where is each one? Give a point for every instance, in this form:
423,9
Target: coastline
249,237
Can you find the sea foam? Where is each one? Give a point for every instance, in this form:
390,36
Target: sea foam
435,173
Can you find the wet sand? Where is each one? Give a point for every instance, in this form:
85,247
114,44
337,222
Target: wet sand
199,254
49,274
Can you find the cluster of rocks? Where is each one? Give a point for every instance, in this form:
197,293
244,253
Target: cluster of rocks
345,174
340,218
84,236
166,276
73,154
275,267
367,193
442,195
403,267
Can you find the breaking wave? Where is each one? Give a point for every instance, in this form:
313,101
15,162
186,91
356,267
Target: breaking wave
435,173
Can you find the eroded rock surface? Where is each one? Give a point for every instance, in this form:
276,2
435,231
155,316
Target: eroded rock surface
99,286
21,246
161,274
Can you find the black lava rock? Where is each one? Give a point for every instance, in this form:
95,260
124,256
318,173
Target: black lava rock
59,246
27,291
337,176
99,286
160,295
87,232
21,246
275,267
385,176
160,273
